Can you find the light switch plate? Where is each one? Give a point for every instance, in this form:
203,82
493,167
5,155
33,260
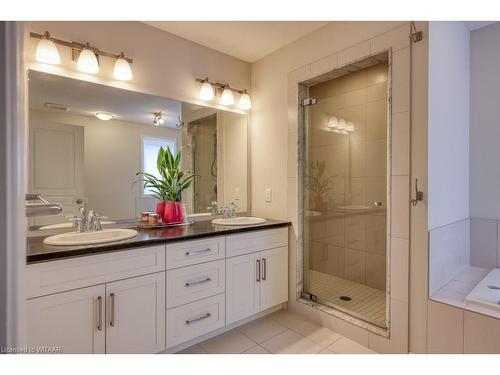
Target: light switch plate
269,195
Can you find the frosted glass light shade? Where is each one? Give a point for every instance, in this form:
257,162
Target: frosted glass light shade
341,124
349,126
206,91
122,70
245,102
46,52
333,122
227,97
87,61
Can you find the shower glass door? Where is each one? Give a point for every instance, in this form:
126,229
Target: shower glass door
344,191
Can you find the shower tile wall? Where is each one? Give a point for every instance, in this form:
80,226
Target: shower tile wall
350,244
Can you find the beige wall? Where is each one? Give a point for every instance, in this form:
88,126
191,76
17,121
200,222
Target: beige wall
164,64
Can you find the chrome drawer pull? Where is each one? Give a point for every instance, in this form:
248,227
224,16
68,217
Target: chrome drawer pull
257,269
191,283
99,319
112,309
199,252
194,320
264,269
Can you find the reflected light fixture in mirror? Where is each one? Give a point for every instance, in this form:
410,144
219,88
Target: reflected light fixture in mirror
333,122
245,102
158,119
103,116
227,97
206,90
122,69
87,61
46,51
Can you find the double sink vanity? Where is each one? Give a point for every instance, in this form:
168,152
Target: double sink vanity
160,291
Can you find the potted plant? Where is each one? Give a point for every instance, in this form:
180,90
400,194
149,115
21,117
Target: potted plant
169,187
318,184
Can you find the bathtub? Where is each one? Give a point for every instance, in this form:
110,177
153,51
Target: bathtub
487,292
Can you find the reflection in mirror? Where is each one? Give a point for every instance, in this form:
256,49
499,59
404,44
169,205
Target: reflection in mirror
74,155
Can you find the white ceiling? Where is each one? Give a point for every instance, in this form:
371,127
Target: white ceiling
87,98
474,25
245,40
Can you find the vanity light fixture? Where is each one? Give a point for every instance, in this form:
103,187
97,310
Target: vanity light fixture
349,126
207,91
104,116
227,97
87,61
245,102
85,55
46,51
333,122
158,119
122,69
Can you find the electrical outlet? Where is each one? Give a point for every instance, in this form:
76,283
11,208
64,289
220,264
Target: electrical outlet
269,195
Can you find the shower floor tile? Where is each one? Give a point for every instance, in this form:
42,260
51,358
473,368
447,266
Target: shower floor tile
366,302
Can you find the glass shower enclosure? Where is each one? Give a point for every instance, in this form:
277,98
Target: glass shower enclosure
344,200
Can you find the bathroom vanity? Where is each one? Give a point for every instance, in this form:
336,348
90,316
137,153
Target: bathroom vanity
161,291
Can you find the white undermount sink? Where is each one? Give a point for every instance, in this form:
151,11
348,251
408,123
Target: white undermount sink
240,220
89,238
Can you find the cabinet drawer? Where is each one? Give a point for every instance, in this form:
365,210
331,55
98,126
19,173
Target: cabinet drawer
186,253
61,275
192,283
195,319
245,243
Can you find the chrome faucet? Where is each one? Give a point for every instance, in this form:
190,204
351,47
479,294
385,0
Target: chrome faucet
230,211
226,212
87,220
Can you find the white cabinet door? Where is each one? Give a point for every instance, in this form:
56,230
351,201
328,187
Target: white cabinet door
242,289
274,279
135,315
73,321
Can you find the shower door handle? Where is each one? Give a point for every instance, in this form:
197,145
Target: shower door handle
419,195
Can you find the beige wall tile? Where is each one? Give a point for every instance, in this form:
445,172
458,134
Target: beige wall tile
355,265
376,119
354,53
398,342
376,92
401,81
400,207
336,261
375,270
481,334
298,75
324,65
395,39
292,199
292,248
400,143
399,268
376,191
445,329
376,234
376,157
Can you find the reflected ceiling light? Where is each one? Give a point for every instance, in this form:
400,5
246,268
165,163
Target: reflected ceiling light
87,61
46,51
104,116
333,122
158,119
207,91
227,97
122,69
349,126
341,124
245,102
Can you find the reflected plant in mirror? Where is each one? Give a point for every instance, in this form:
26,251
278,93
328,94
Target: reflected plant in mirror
169,187
318,184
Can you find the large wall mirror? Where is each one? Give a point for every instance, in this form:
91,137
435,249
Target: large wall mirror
73,154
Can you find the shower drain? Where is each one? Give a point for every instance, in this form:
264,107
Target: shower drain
345,298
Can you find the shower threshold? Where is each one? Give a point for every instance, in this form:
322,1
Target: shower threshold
358,300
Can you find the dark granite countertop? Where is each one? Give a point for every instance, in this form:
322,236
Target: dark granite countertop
37,251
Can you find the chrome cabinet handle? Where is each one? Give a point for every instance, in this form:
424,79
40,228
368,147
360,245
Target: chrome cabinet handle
193,320
258,269
191,283
99,314
264,268
198,252
112,309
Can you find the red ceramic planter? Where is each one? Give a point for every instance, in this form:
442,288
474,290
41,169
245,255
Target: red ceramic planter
172,213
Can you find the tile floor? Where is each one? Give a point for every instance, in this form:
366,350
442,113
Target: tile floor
279,333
